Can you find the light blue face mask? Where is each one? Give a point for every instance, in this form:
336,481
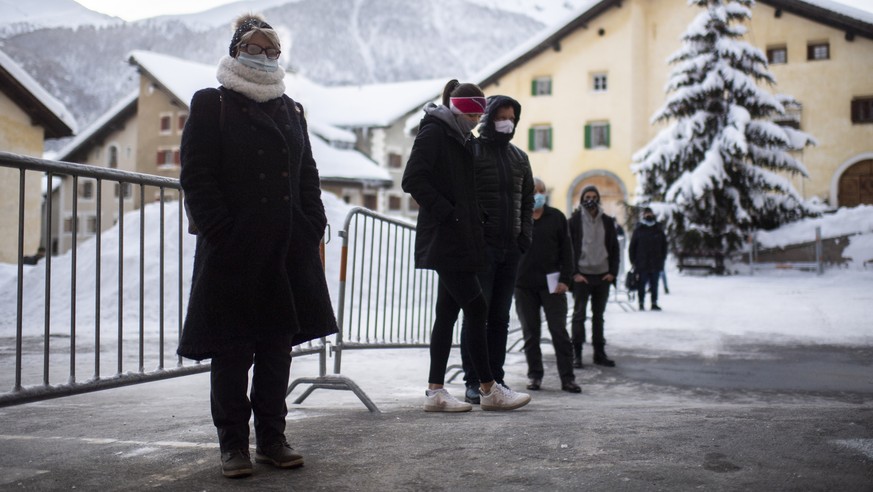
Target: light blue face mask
539,201
258,62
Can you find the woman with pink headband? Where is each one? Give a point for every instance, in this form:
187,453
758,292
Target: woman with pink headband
450,240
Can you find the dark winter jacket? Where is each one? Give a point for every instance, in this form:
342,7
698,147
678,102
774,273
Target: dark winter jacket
610,240
439,176
252,189
648,248
504,183
549,252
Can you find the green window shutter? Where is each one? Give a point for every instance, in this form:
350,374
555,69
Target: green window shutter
607,135
531,136
533,87
549,138
587,136
549,87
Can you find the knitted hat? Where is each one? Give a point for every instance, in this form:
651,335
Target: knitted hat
587,189
248,23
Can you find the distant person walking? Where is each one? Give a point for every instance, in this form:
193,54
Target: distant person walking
548,260
258,288
595,244
504,190
648,252
449,239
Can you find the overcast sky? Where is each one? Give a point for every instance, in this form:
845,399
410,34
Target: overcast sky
140,9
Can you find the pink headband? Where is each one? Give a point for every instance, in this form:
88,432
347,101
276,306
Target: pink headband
467,105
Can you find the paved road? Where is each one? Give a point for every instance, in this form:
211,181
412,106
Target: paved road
771,418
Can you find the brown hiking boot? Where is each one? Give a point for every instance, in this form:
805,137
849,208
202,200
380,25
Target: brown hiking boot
279,454
236,463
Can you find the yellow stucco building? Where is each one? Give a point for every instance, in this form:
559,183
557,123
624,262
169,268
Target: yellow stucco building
588,89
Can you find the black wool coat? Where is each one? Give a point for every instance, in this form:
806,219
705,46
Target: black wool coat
610,240
252,190
504,182
648,248
439,176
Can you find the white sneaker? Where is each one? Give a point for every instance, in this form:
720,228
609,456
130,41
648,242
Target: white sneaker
503,398
442,401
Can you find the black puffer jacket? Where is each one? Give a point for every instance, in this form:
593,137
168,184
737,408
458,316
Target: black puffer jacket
648,248
252,189
504,182
439,176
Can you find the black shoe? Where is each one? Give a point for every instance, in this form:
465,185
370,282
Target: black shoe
602,360
577,363
655,307
642,308
279,454
571,387
472,396
236,463
534,384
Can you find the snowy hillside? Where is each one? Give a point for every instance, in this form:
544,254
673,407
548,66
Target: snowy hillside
17,16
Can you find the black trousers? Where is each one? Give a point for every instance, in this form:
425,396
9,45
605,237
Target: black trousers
598,291
527,304
232,408
650,279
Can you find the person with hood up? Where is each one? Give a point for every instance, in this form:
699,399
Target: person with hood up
449,239
258,288
504,190
648,252
596,259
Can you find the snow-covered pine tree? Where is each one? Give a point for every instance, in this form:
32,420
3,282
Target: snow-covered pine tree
719,170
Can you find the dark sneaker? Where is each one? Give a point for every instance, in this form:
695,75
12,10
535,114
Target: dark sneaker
655,307
603,360
571,387
577,363
280,454
236,463
534,384
472,395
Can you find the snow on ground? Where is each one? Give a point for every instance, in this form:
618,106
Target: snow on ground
702,315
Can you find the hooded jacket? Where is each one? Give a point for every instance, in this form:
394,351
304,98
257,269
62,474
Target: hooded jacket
504,182
648,248
439,175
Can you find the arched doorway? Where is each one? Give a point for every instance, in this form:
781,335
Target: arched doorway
613,193
856,185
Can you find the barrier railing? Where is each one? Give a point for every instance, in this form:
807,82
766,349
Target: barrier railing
103,302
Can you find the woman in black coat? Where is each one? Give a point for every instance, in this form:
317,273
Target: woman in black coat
252,189
449,239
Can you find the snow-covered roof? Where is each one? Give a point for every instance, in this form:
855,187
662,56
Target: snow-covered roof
73,145
65,123
378,105
183,78
829,12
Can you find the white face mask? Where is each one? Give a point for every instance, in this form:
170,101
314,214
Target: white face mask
258,62
504,126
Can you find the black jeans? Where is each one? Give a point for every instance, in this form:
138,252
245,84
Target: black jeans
456,291
650,278
527,304
597,290
497,282
231,408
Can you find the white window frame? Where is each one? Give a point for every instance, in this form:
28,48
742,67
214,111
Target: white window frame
543,86
600,82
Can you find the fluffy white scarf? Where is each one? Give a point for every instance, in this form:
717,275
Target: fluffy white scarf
257,85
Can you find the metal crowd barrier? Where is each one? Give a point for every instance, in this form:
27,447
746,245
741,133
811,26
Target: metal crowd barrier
47,360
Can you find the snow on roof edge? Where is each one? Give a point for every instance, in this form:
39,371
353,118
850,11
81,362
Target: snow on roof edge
51,103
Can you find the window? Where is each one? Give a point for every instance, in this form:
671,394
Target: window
371,201
792,116
395,161
597,136
541,86
394,203
818,51
113,157
412,205
123,188
777,55
183,117
68,224
86,190
540,138
91,224
598,82
166,123
862,110
168,157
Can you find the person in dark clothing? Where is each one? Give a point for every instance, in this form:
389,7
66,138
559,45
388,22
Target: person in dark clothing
504,190
258,288
449,239
648,251
596,260
550,253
